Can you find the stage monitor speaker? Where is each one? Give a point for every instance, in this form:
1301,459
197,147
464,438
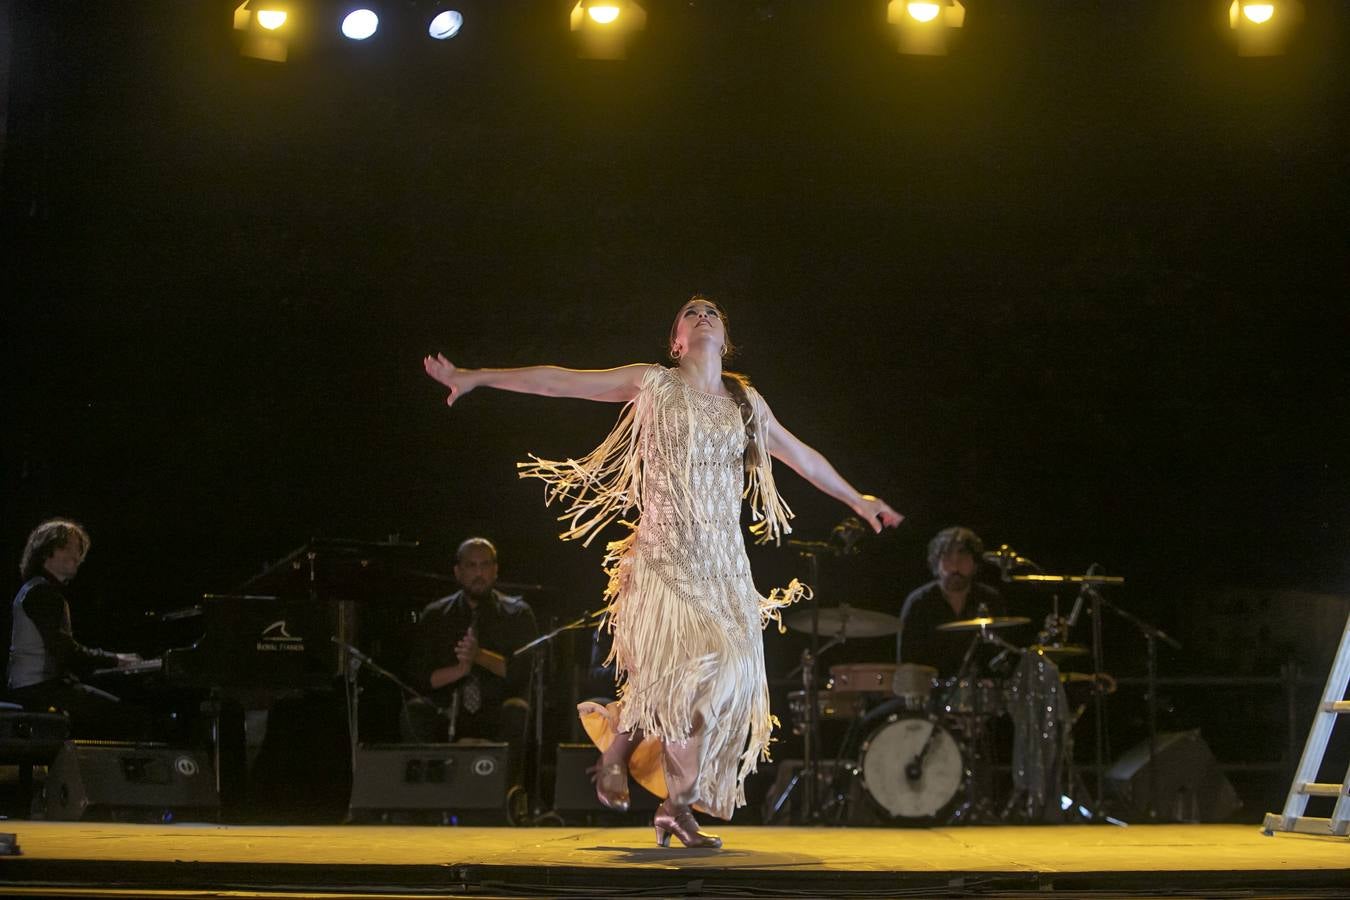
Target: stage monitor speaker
573,789
123,782
1187,784
429,776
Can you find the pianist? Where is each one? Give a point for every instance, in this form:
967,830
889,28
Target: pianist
462,659
45,660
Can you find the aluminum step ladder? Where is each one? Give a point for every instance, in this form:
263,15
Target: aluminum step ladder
1333,704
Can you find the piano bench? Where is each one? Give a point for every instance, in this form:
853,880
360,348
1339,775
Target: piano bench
29,739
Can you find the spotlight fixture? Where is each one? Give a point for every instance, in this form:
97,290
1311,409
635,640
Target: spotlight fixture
263,28
1263,28
445,24
604,28
925,27
360,24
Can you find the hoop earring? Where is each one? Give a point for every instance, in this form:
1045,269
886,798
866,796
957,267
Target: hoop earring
676,352
724,349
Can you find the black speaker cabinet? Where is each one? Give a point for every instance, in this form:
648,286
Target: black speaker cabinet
113,781
429,776
573,790
1186,782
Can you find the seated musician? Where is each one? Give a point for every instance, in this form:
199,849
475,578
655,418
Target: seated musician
954,555
462,659
45,660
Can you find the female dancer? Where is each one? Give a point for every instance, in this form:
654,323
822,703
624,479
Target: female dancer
693,716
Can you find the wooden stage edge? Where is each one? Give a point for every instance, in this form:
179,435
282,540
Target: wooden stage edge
87,859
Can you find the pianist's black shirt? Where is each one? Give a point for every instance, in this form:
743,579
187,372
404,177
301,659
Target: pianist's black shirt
503,623
42,644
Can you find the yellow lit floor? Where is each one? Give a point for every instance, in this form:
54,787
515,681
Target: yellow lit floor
1059,849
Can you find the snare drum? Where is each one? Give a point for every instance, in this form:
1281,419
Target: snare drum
968,696
912,768
862,678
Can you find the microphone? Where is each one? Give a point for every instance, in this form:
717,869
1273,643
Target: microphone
1006,556
847,534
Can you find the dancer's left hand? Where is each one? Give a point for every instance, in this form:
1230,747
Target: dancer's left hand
877,513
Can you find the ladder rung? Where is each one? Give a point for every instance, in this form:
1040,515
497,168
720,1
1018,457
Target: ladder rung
1317,789
1337,706
1300,825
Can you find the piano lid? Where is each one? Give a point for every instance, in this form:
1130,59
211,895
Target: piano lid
336,569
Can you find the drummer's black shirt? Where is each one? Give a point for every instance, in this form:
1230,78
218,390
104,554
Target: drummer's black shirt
925,609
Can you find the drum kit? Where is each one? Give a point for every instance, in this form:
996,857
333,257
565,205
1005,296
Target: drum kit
919,749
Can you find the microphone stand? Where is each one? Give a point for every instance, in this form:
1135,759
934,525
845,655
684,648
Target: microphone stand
1152,634
538,815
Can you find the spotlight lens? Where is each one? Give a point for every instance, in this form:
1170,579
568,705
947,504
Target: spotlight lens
922,12
271,19
360,24
603,14
1259,13
445,25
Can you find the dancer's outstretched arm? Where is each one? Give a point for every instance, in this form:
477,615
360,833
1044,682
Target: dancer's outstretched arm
812,465
613,385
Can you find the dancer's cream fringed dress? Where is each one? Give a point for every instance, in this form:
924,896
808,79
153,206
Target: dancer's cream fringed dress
684,612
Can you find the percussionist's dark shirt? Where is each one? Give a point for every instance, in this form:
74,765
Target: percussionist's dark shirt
925,609
503,624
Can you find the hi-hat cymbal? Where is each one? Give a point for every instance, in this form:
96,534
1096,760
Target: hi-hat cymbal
982,622
1054,651
844,620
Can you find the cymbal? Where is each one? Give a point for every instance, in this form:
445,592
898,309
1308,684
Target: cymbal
1057,650
844,620
982,622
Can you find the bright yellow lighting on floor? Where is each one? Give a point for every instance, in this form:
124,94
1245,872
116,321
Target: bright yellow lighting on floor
271,19
1259,13
603,14
922,12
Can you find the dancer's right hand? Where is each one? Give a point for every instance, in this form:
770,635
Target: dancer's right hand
444,371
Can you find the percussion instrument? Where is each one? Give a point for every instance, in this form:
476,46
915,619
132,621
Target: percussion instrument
912,768
863,678
981,623
831,706
968,696
913,684
843,621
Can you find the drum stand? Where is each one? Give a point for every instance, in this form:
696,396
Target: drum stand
978,807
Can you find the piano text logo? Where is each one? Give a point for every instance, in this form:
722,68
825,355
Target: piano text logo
276,639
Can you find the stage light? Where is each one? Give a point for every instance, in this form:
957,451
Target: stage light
360,24
604,28
1263,29
263,27
445,25
925,28
1258,13
271,19
923,12
603,14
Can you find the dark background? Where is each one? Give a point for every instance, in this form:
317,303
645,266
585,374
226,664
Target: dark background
1079,286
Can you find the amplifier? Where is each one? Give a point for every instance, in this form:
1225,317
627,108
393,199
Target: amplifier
115,781
31,737
429,776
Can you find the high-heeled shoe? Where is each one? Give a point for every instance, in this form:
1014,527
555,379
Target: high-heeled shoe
611,785
684,826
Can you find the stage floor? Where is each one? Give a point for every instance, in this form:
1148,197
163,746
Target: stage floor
92,859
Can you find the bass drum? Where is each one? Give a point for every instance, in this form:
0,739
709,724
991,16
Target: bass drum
912,768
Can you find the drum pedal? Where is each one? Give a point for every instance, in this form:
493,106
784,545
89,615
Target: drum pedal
1333,704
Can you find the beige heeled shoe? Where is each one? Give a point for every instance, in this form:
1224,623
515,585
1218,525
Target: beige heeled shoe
683,825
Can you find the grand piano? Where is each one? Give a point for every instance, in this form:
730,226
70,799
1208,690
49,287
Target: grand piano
277,642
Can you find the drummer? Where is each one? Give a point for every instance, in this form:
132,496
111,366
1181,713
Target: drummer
954,555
